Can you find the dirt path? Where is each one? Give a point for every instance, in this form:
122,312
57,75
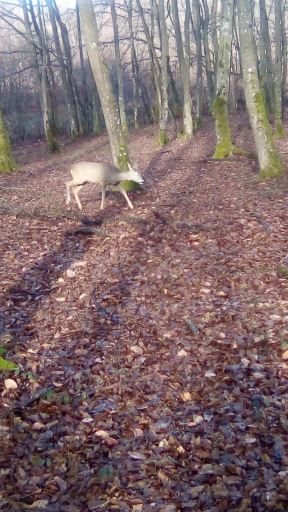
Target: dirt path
150,349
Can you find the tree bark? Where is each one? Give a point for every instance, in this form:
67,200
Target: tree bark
184,74
278,71
210,73
199,75
266,67
284,50
224,147
269,161
7,163
119,71
138,91
164,107
155,66
85,103
66,80
100,72
40,51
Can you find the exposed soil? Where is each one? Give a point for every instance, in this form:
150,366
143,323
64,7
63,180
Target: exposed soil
151,344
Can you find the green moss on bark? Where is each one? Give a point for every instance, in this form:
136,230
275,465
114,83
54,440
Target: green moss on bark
122,163
162,138
7,163
123,157
279,130
262,111
274,169
198,123
224,147
52,142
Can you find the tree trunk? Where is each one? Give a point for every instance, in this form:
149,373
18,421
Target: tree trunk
119,71
214,37
100,72
66,82
86,105
7,163
224,147
199,76
269,162
284,52
46,101
138,91
266,71
156,70
184,74
164,107
278,72
207,54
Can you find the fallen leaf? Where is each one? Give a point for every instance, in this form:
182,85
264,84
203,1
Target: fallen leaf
10,384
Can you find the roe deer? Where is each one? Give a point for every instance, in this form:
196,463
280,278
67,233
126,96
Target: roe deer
104,174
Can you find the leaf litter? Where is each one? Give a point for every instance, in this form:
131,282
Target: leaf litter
149,358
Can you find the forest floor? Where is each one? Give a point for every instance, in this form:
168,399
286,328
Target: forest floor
151,344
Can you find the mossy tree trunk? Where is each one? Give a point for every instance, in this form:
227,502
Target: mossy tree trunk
119,71
7,163
89,27
164,107
184,73
224,146
176,106
278,71
266,66
269,161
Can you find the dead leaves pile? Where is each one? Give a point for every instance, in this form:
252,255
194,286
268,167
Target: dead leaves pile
153,355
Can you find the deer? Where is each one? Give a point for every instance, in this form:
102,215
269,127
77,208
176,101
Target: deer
103,174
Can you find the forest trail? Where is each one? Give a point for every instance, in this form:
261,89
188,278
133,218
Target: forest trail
151,347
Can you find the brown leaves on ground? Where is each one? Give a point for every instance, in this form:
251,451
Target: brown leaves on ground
152,345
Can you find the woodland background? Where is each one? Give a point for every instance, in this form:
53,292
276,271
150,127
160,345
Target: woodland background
143,354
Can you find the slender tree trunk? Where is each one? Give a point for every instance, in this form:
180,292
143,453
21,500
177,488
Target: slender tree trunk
100,72
156,70
214,37
86,105
7,163
176,104
224,147
40,60
184,74
138,91
207,53
278,71
284,51
69,94
164,107
199,75
269,162
266,67
119,71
